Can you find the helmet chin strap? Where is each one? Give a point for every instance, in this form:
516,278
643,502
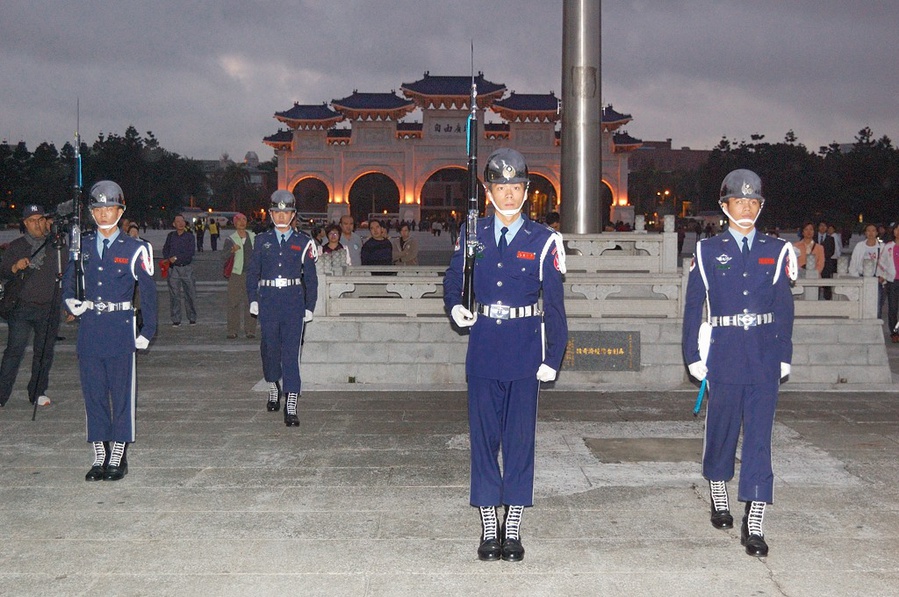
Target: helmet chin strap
742,223
108,226
287,225
508,212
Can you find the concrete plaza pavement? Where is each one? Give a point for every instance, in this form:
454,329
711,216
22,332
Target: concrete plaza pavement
369,496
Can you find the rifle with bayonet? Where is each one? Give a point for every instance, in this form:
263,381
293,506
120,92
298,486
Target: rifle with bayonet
471,223
75,253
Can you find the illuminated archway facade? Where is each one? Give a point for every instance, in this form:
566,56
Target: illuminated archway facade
379,139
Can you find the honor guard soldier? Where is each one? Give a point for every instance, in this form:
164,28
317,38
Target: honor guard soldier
743,347
107,337
514,345
282,287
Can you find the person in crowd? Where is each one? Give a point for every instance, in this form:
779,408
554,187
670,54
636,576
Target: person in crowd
378,249
350,239
405,247
513,347
213,234
864,260
282,287
888,272
178,251
829,244
743,348
554,220
334,256
806,246
237,306
200,232
107,337
39,261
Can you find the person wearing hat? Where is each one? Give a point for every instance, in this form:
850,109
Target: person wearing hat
514,345
743,347
39,261
113,262
282,287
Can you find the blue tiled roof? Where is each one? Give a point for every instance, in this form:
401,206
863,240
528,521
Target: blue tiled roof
451,86
308,112
610,115
280,137
529,102
625,139
372,101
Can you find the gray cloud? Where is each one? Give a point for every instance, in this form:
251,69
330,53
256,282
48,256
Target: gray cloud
206,77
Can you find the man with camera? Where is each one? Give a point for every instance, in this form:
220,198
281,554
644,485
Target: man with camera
36,260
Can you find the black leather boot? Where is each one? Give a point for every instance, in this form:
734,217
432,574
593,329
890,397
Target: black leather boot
101,459
513,550
290,410
118,464
274,397
721,517
751,534
490,549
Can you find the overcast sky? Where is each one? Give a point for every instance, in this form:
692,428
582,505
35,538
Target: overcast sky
207,76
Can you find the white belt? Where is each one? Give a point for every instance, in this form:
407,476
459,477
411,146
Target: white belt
499,311
101,307
281,282
744,320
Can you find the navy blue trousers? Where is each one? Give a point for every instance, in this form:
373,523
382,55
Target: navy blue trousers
729,408
109,389
280,348
502,415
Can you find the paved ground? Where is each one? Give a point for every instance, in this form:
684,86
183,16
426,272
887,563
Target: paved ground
369,495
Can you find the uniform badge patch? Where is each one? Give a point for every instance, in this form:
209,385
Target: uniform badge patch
692,263
556,259
120,260
526,255
723,258
766,261
296,248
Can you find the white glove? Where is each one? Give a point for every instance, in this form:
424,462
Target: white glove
254,308
784,370
141,343
76,307
463,317
308,317
546,373
698,370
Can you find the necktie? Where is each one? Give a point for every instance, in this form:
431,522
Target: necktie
105,246
283,240
745,247
502,240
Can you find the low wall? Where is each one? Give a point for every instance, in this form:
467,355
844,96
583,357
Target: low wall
392,329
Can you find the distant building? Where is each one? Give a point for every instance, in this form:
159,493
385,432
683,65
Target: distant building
330,153
659,155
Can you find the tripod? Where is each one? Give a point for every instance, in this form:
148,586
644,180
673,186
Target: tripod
52,329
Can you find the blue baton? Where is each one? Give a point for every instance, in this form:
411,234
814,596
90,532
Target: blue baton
699,397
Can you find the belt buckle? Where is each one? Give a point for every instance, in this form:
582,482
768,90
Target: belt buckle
500,311
101,307
280,282
746,320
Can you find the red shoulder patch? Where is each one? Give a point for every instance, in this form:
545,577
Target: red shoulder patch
121,260
766,261
526,255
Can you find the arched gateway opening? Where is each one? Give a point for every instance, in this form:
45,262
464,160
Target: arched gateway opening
374,193
445,195
312,196
542,197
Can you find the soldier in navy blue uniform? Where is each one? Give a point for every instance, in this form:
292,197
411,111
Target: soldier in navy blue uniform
282,287
514,345
107,336
743,347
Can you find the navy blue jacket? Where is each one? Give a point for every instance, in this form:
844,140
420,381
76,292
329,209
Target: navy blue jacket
270,261
513,349
759,285
111,280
